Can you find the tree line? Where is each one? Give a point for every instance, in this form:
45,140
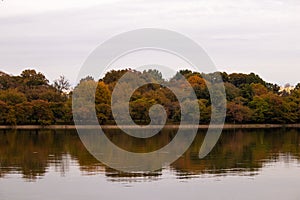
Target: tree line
29,98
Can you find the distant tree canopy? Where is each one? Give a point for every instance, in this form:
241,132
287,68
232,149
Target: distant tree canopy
30,99
249,98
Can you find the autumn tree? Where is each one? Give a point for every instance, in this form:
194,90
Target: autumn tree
24,112
12,96
102,102
139,110
4,110
32,78
258,89
42,114
237,112
199,86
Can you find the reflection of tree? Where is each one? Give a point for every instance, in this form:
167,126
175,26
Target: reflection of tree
241,151
117,176
31,153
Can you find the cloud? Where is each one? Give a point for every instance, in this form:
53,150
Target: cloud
240,35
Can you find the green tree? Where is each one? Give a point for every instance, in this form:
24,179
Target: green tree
84,100
247,92
272,108
205,110
238,79
261,109
231,91
114,75
154,75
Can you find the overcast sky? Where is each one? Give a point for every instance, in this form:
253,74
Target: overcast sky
56,36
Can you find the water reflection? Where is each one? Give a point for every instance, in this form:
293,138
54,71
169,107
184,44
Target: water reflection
32,153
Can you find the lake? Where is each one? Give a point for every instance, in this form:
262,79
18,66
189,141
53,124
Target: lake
245,164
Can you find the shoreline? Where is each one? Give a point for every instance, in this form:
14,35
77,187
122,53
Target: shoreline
171,126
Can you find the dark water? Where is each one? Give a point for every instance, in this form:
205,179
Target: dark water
245,164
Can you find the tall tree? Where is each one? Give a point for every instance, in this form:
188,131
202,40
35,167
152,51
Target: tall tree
61,84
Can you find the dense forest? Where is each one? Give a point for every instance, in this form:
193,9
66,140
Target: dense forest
29,98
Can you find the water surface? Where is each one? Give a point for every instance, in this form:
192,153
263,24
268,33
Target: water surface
245,164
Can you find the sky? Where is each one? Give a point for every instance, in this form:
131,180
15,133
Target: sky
56,36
